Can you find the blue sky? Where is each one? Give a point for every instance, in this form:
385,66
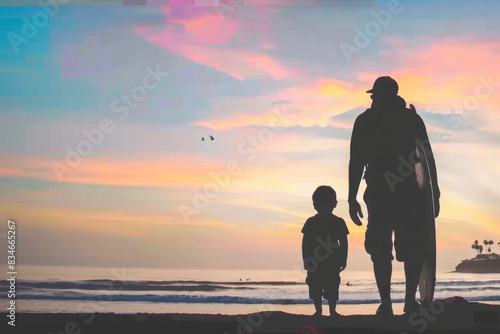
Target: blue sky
228,76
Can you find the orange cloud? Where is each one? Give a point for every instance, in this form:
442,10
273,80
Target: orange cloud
101,222
459,208
170,171
443,72
186,172
302,144
311,105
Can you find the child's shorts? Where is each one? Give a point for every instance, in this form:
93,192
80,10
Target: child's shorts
323,284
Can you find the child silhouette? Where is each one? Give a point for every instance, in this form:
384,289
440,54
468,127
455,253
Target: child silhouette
324,250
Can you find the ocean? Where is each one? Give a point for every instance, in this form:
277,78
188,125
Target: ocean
61,289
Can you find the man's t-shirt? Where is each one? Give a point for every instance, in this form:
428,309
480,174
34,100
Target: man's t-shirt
384,141
321,236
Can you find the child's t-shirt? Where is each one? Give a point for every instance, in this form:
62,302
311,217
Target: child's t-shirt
322,233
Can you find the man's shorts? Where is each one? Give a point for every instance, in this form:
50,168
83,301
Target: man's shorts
324,283
403,214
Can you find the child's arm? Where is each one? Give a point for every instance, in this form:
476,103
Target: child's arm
306,247
306,243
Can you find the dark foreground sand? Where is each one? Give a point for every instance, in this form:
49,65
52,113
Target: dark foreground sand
453,315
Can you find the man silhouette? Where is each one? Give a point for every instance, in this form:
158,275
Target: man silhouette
383,142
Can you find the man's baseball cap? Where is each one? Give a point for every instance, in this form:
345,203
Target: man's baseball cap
385,86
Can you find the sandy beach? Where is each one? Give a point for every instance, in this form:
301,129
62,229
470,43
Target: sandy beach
452,315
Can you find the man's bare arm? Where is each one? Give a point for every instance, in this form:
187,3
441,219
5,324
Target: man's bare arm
344,245
356,167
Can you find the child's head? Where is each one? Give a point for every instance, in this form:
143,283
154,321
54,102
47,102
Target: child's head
324,199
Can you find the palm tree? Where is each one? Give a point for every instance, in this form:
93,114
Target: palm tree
486,243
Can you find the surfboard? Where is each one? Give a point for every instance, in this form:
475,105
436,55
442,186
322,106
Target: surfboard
427,282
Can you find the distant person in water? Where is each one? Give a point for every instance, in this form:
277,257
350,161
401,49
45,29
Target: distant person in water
324,250
383,138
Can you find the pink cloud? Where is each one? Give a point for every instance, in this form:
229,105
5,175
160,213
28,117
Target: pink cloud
237,63
270,66
204,38
440,75
211,29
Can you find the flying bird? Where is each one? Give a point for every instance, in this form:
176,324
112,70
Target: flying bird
202,139
211,137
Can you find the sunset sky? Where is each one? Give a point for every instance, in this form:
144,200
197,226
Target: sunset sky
272,82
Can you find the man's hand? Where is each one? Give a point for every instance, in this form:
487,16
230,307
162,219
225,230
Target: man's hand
354,210
306,267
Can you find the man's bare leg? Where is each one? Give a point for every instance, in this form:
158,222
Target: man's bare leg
413,269
383,273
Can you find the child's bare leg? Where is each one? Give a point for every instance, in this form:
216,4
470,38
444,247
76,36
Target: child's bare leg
332,304
318,306
334,297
